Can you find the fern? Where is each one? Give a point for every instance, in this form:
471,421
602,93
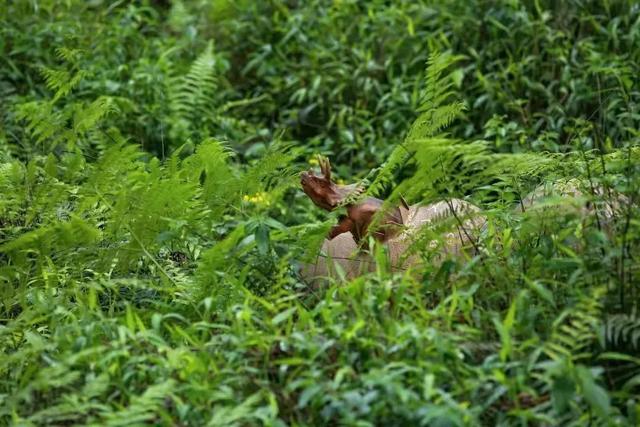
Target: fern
70,56
191,97
74,122
62,82
430,122
128,191
211,163
87,117
622,330
272,171
43,123
448,168
435,114
576,330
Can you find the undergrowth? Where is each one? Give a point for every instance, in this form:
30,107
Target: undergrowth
152,231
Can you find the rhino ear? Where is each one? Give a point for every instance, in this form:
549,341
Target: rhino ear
325,168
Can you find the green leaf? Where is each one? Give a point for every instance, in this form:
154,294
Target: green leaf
563,390
593,393
262,238
282,316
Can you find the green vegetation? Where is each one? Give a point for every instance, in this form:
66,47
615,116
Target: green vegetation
152,227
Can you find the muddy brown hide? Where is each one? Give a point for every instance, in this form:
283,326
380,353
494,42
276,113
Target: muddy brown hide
341,258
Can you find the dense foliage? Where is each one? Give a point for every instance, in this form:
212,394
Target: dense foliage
152,229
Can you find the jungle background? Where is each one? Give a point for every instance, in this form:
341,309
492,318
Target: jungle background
152,227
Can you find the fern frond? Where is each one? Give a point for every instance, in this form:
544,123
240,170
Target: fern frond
61,82
220,183
435,114
432,121
43,124
444,168
87,116
71,56
437,89
622,330
576,329
271,170
192,96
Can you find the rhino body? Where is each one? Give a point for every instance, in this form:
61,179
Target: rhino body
341,257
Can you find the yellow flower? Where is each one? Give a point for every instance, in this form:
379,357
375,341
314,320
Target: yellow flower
260,198
313,161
